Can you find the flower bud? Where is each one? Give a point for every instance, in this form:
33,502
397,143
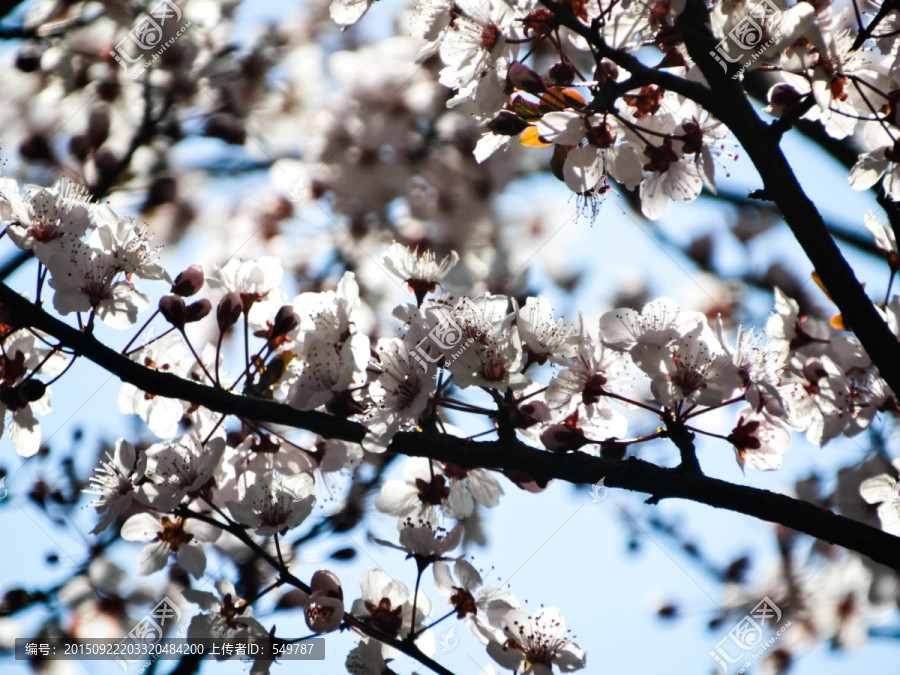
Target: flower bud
561,73
31,390
522,77
173,309
606,73
781,97
323,614
563,438
29,59
324,610
229,311
530,413
507,123
285,321
326,582
189,281
612,449
198,310
226,128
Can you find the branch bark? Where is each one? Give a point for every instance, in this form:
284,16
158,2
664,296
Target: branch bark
731,106
783,189
509,454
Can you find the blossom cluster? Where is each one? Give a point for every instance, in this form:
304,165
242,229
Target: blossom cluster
456,355
518,67
562,385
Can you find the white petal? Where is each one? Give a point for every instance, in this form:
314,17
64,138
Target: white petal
25,432
488,144
141,527
396,497
193,559
866,172
583,169
563,128
878,489
153,557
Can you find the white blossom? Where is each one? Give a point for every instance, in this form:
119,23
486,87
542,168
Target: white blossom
884,490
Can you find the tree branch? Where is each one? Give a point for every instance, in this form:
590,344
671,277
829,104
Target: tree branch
171,386
798,211
886,8
510,454
662,483
641,74
284,575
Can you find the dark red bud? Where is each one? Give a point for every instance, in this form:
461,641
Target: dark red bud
784,96
530,414
507,123
227,128
173,309
189,281
606,73
613,450
522,77
32,390
285,321
197,310
29,59
561,73
563,438
229,311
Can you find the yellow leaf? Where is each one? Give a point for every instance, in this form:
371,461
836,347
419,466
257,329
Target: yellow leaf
818,280
531,139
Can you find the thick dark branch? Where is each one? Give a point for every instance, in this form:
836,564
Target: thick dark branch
511,454
800,214
172,386
843,149
7,6
684,441
15,262
781,186
661,483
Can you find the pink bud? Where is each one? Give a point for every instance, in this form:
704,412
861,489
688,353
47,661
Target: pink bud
325,582
562,438
323,614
